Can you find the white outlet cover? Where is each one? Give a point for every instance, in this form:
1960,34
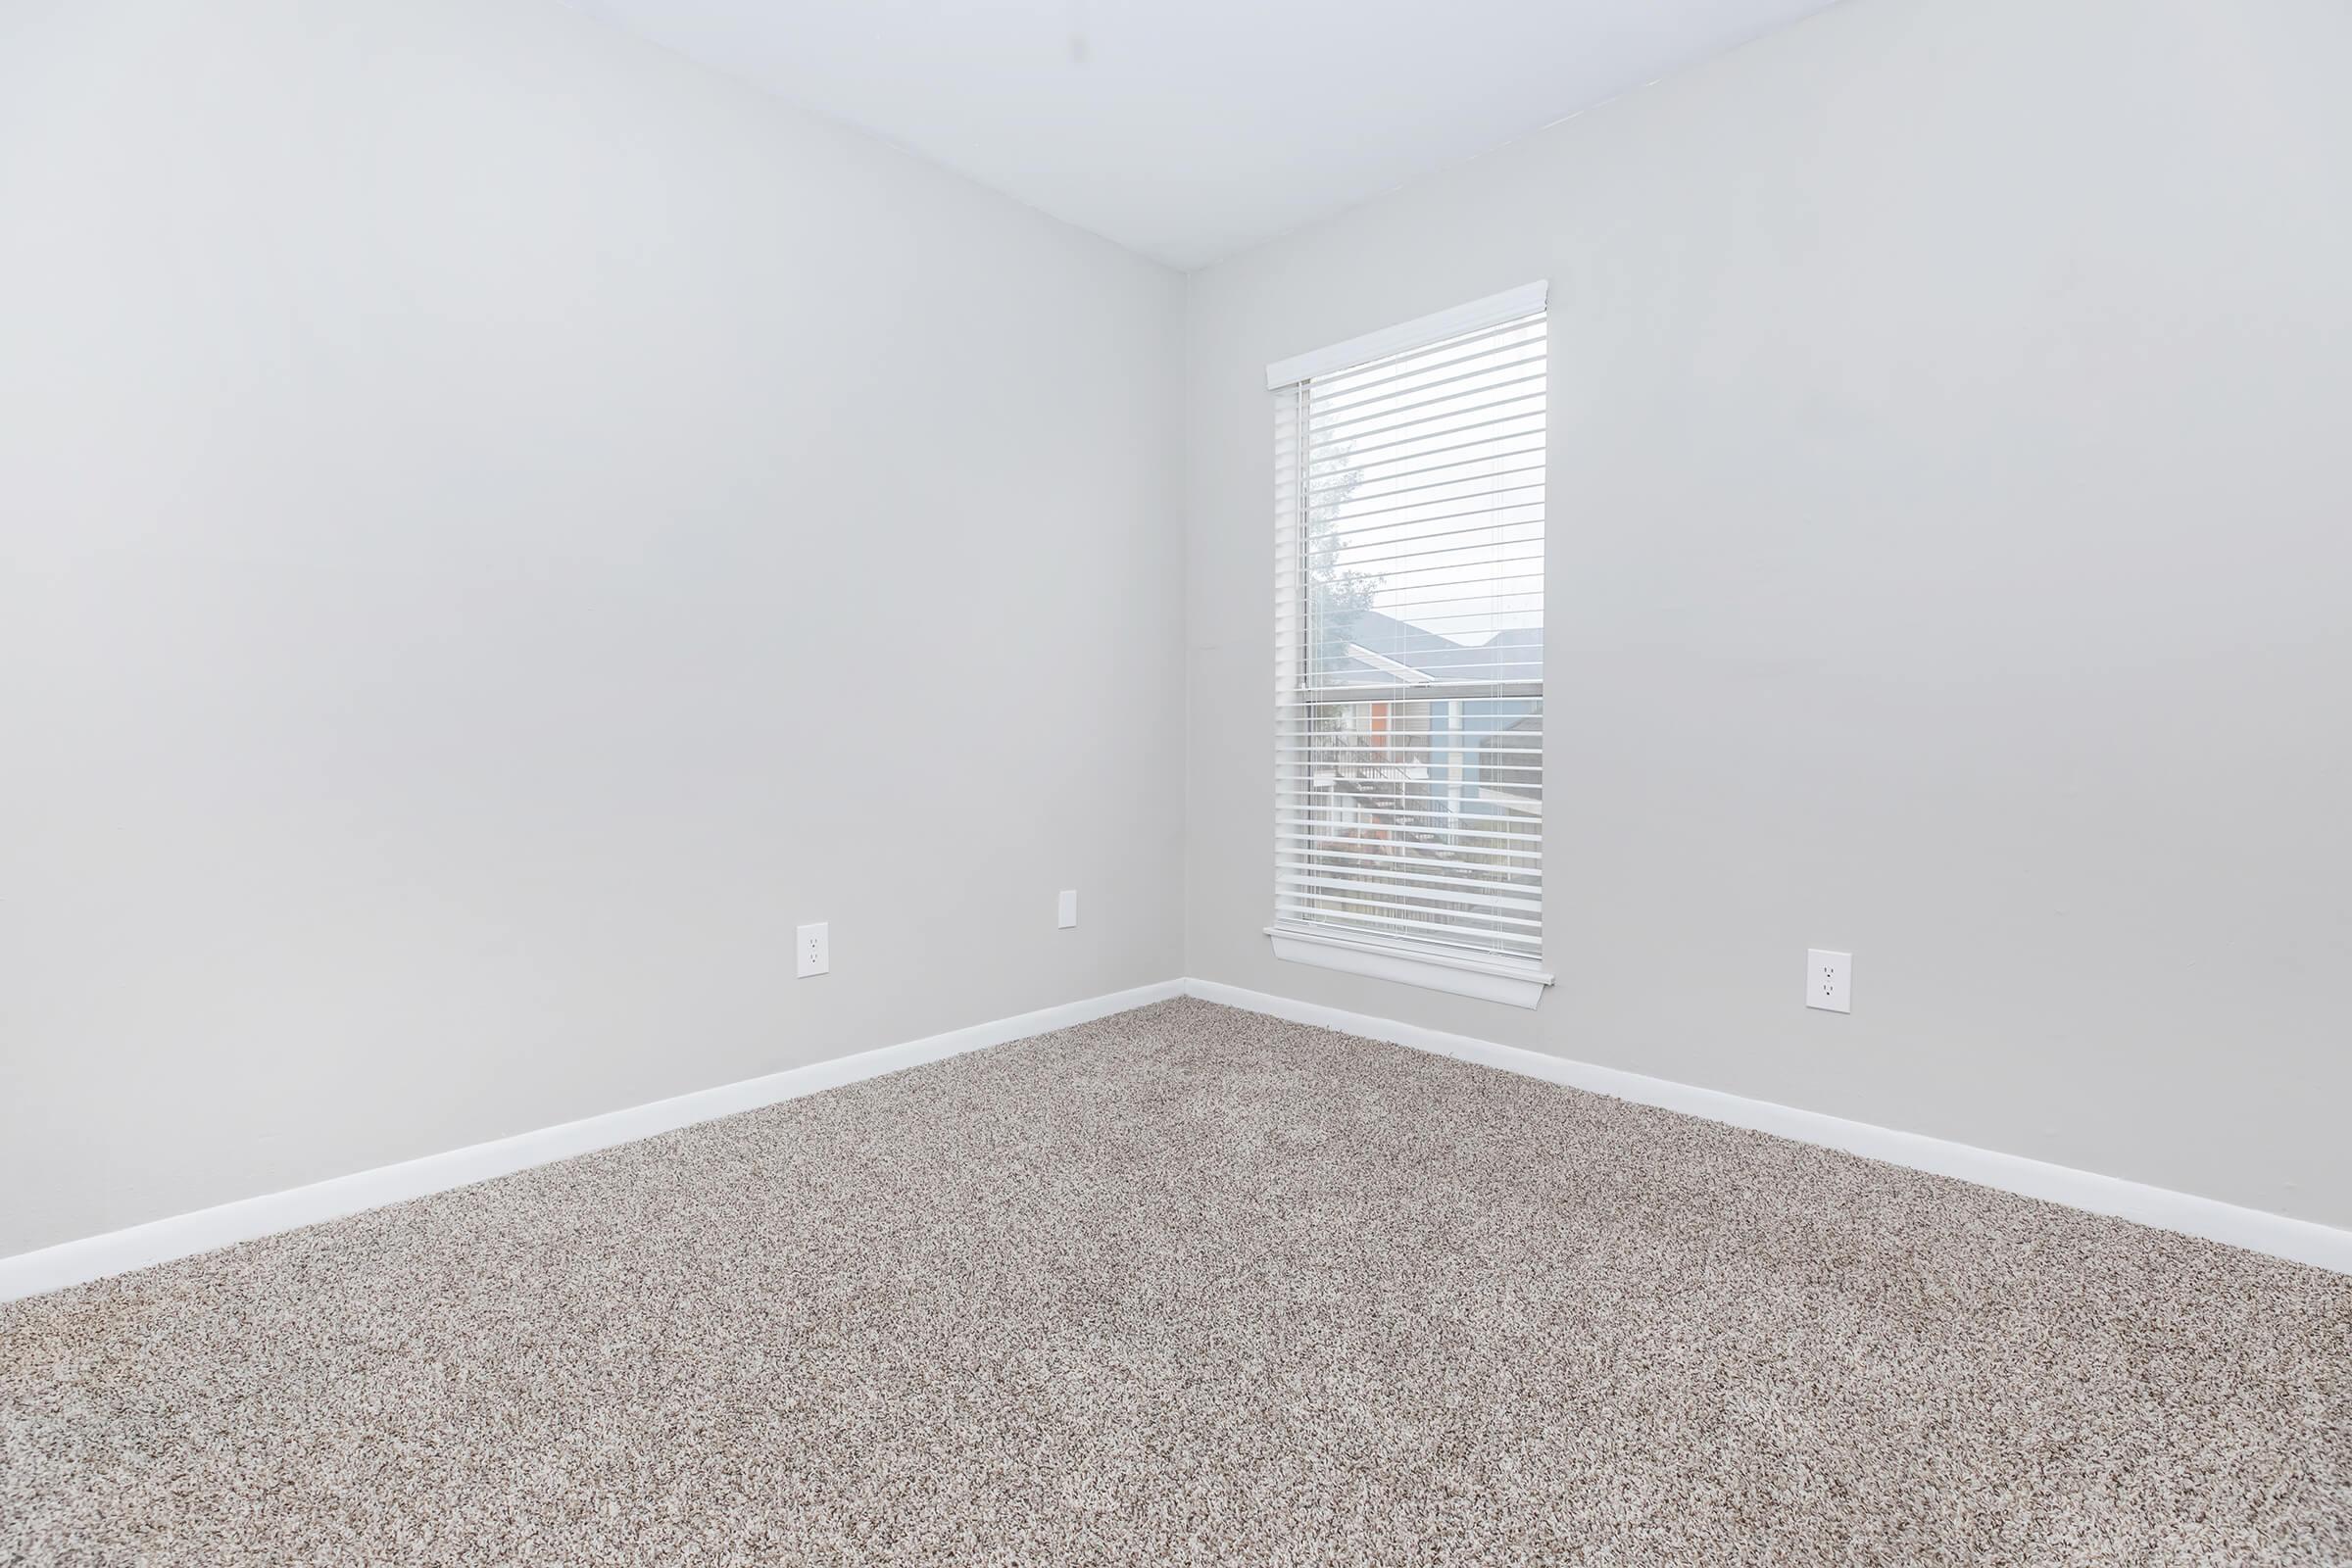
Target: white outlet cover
1068,914
1829,980
812,950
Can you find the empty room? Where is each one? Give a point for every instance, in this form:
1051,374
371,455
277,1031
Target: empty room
1091,782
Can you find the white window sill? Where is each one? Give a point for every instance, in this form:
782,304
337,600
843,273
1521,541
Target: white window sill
1504,980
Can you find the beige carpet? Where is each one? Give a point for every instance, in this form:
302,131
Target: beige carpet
1191,1286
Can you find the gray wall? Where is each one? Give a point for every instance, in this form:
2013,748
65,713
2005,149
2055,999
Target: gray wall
500,524
1951,553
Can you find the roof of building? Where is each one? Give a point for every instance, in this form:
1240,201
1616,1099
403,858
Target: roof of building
1513,654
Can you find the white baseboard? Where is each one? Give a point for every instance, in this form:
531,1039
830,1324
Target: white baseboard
184,1235
2301,1241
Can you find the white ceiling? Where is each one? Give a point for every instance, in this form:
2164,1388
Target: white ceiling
1191,130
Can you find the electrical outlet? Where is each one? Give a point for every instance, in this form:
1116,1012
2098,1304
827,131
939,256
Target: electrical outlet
1830,981
1068,916
814,949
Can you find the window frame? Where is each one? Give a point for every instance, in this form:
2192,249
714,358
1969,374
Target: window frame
1485,974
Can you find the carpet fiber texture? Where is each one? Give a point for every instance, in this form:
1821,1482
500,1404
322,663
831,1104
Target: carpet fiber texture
1191,1286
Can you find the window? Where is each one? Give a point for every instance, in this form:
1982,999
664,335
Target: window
1408,825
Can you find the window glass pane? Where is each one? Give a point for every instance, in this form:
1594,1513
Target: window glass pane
1409,727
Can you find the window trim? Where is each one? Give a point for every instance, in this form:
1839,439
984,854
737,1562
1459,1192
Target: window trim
1464,974
1420,332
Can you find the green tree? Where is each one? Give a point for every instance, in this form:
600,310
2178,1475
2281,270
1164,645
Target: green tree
1335,595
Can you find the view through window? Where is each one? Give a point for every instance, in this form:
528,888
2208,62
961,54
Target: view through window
1409,695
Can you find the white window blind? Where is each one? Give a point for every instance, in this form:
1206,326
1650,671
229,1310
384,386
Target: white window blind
1409,638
